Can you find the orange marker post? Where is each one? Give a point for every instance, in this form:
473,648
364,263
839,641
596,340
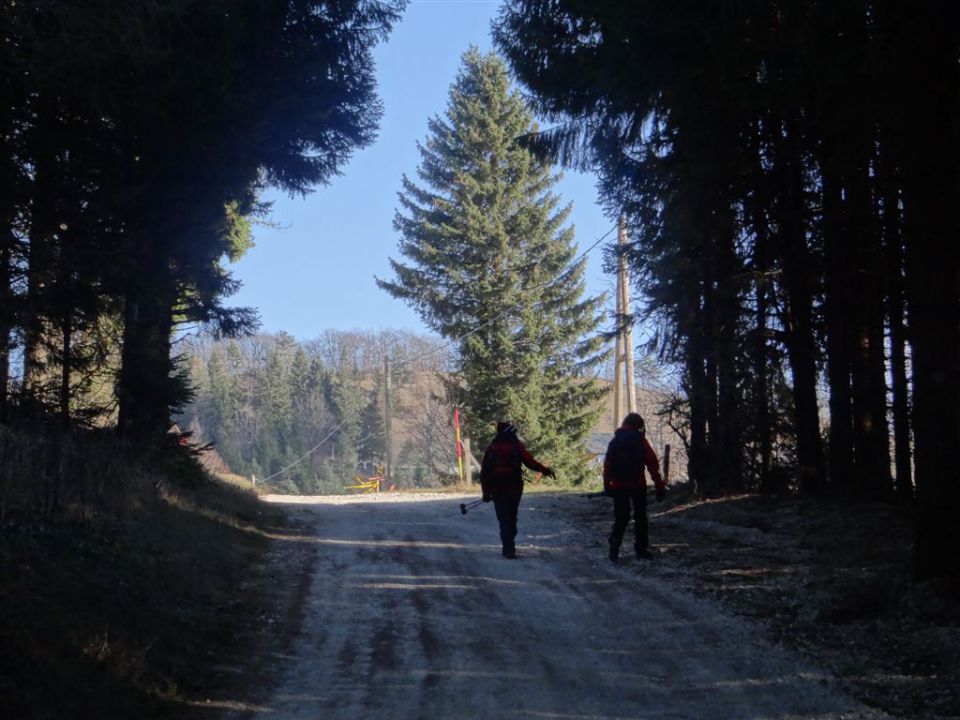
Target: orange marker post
456,425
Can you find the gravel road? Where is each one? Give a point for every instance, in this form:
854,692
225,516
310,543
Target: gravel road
412,613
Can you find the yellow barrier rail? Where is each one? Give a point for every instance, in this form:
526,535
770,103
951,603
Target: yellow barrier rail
370,484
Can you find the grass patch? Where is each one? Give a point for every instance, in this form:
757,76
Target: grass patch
134,608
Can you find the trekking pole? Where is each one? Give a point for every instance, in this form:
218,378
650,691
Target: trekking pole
467,506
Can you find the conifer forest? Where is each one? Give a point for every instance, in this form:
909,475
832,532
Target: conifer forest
787,173
791,170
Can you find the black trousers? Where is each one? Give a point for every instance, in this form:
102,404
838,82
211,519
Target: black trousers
507,505
622,500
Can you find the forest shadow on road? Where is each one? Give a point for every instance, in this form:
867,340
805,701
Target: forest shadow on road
411,612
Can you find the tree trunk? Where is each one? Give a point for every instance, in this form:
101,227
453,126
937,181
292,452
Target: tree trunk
871,432
144,392
146,383
836,305
66,358
708,337
40,253
881,475
799,284
761,390
898,341
927,58
849,136
11,180
697,463
6,309
728,387
760,350
871,449
891,178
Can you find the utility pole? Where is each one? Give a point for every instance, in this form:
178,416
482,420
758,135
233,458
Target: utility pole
623,364
456,439
387,412
468,458
617,360
628,317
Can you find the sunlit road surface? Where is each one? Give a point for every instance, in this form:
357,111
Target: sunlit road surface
413,613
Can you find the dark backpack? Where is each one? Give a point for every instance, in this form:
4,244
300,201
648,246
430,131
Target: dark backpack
627,456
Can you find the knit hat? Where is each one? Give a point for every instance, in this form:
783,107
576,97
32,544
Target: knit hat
506,427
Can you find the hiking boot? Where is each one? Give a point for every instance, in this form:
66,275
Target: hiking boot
644,555
509,552
614,553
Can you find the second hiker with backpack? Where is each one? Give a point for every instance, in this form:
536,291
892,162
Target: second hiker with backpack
623,479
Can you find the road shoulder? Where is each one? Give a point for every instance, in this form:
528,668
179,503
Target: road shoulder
828,580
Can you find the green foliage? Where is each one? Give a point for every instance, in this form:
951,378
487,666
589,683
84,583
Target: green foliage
267,401
371,440
487,261
137,138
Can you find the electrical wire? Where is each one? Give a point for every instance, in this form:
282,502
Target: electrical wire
430,353
481,326
308,453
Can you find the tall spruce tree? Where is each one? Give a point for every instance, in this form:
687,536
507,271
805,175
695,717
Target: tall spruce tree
487,261
371,439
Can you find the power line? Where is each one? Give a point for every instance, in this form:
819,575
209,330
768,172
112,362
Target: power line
308,453
481,326
422,356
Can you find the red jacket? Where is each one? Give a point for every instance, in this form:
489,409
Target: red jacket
627,455
500,470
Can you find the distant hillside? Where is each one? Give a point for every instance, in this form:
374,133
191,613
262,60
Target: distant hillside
309,416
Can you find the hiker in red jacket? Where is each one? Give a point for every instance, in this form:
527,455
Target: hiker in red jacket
501,478
623,480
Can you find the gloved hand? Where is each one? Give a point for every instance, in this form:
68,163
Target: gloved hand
661,492
487,497
550,473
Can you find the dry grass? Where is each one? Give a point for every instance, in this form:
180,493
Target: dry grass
240,482
124,602
828,578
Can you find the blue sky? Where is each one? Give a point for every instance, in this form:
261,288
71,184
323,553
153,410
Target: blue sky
316,270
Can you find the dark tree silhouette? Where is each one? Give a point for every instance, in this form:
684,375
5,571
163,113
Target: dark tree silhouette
791,170
129,172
